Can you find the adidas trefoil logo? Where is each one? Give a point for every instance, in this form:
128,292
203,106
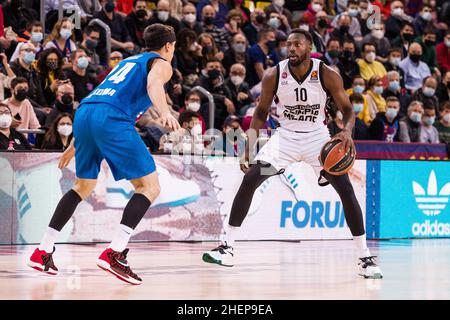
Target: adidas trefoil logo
430,202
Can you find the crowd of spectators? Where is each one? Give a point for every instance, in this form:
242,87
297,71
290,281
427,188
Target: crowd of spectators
393,56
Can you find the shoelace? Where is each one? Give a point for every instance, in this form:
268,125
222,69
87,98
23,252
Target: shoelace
115,257
222,249
368,261
48,262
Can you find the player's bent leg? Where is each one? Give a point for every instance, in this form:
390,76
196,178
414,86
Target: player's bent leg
354,218
42,257
223,255
114,258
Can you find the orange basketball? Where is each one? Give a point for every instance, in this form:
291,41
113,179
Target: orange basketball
336,162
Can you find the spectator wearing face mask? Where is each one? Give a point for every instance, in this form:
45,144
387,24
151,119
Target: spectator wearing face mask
359,86
212,79
136,22
220,11
120,38
63,103
193,102
443,52
79,77
17,14
60,133
410,125
114,58
364,16
219,35
210,49
428,132
257,21
5,79
281,48
22,111
353,13
427,94
314,7
347,66
62,38
375,99
22,67
234,138
189,19
428,43
278,7
91,37
319,32
396,20
10,139
278,22
360,130
261,55
237,52
393,63
404,39
162,15
381,43
240,5
443,125
368,66
240,91
342,30
234,23
424,19
35,35
188,53
414,69
49,68
386,125
331,57
394,89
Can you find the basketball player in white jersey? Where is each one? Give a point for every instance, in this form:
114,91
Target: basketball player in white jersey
300,86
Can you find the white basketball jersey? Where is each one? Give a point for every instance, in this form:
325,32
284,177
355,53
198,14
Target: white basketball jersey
300,102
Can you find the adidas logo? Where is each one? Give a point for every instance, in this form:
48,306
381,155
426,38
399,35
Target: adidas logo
431,202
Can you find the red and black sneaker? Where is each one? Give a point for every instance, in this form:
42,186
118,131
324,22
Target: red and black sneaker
116,263
43,261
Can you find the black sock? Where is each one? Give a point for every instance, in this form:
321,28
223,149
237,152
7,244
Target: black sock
135,210
65,209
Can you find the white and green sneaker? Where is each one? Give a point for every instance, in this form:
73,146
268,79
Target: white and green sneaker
369,269
222,255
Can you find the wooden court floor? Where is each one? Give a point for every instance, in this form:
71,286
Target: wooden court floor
413,269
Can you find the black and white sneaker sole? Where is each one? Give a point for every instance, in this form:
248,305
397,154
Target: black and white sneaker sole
208,259
375,276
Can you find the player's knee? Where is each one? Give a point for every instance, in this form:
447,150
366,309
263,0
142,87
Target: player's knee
84,188
151,192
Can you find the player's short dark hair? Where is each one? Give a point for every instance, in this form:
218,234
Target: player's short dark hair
18,80
157,35
187,116
303,32
356,97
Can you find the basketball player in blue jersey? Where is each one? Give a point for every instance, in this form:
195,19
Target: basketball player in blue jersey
104,129
300,86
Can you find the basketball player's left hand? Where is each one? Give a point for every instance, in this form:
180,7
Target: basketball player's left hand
346,139
169,121
66,157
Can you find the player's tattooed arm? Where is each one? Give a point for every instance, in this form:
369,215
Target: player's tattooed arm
335,86
159,74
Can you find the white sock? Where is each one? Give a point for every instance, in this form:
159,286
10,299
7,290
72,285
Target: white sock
49,239
230,235
361,246
120,241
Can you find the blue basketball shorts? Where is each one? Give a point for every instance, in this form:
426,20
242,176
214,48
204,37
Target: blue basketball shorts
104,132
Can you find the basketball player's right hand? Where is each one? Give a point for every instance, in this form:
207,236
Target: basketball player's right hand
245,165
169,121
66,157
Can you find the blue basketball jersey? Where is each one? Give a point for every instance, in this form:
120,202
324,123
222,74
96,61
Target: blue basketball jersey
125,87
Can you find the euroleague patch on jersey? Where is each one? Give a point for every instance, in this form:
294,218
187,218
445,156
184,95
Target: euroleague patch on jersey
284,75
314,76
